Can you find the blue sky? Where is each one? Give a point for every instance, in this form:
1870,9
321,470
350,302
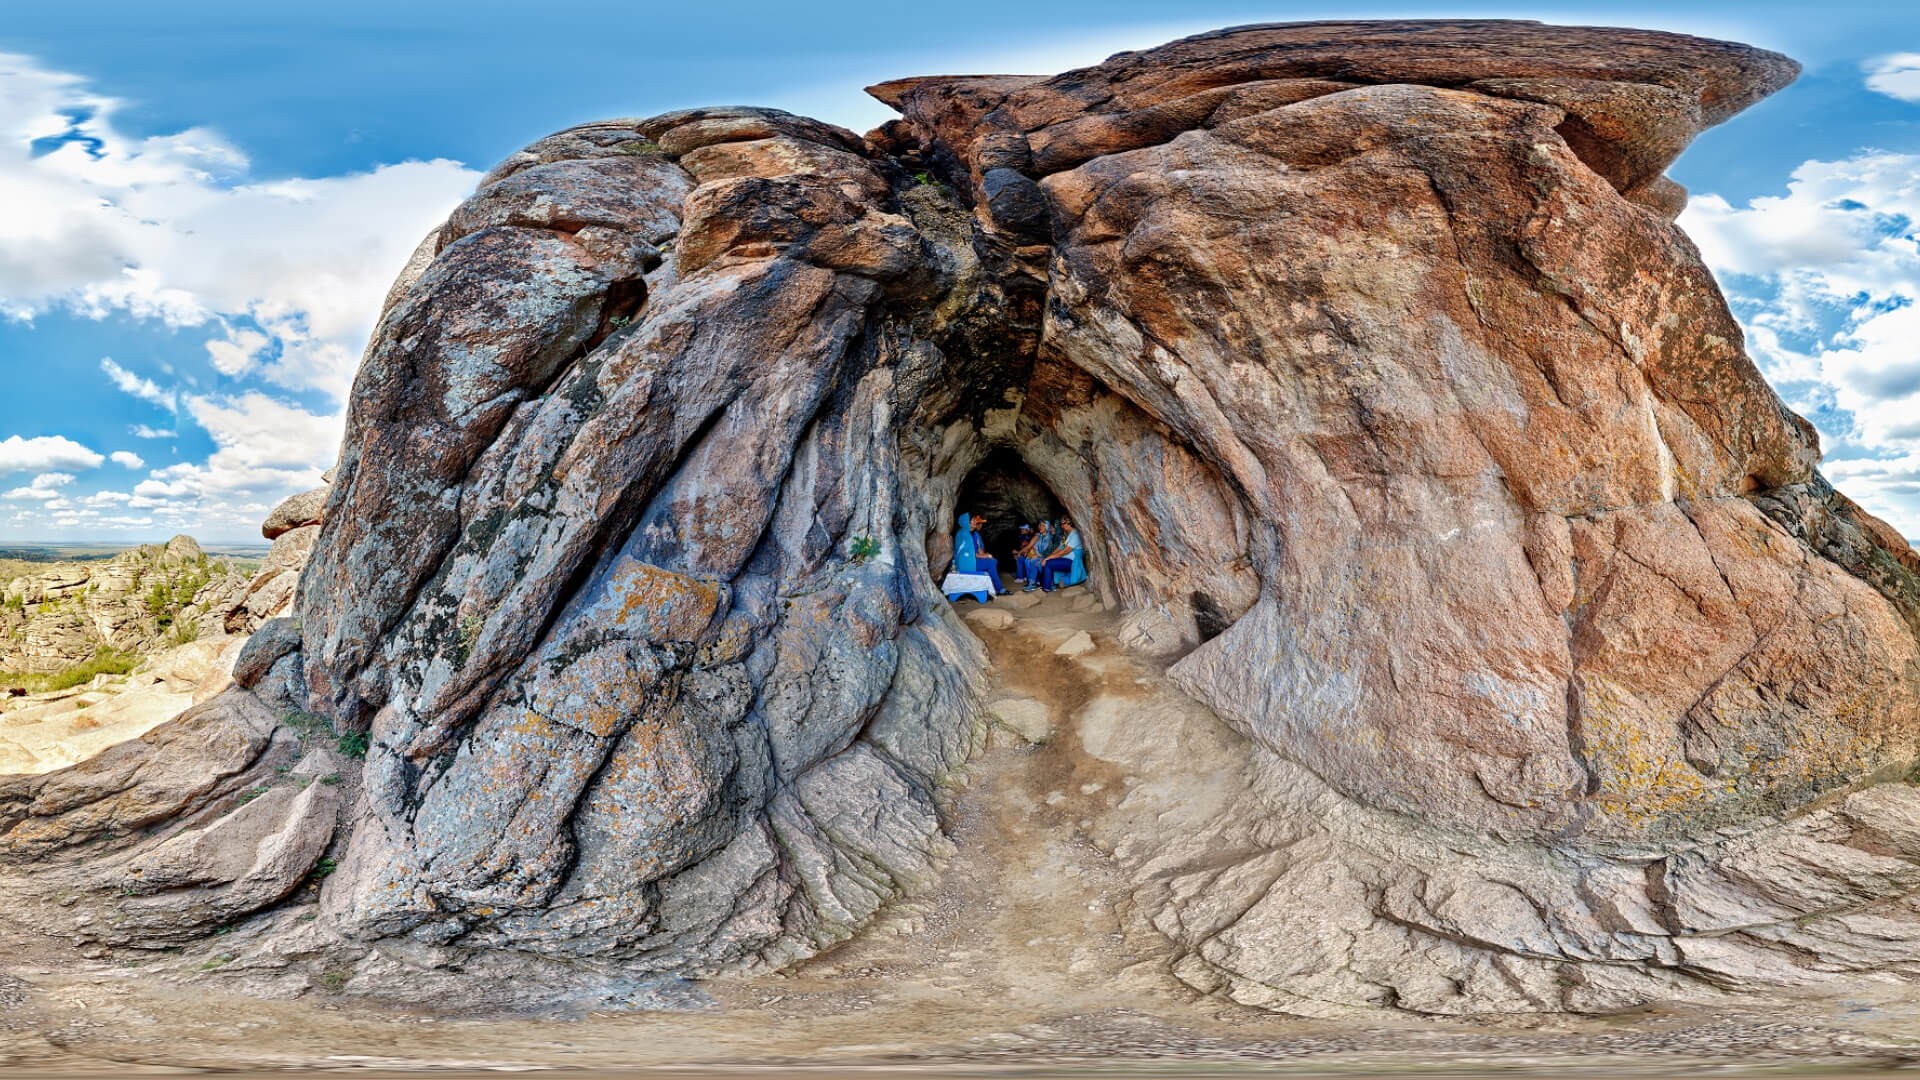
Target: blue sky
201,202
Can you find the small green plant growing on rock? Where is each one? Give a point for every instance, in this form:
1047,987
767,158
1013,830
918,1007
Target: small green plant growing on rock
354,744
306,724
469,634
333,980
864,548
324,869
925,178
105,661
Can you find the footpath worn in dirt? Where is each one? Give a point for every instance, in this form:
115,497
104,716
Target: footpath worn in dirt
1028,953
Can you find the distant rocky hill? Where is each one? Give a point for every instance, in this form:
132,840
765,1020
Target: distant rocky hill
152,597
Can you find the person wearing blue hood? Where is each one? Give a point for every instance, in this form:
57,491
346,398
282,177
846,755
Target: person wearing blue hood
1066,563
969,552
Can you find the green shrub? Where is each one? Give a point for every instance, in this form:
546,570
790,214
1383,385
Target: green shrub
104,661
354,744
864,548
306,723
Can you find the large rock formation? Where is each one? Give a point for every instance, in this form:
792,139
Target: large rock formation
143,600
1391,402
293,526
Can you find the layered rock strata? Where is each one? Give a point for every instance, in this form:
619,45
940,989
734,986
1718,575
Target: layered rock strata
1393,405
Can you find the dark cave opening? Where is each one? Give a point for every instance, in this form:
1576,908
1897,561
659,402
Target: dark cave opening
1010,495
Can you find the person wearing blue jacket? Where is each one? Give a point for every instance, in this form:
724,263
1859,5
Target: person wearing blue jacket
1066,563
969,552
1033,544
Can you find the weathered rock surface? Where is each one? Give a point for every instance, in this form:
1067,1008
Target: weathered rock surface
1389,400
144,600
293,526
43,732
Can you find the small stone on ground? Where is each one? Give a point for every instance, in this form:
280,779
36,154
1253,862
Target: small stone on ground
1025,717
1078,645
989,618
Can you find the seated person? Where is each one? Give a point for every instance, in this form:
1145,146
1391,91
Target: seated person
1066,563
1025,565
1044,541
968,557
984,563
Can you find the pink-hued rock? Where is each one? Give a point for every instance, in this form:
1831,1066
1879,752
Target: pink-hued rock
1392,407
299,511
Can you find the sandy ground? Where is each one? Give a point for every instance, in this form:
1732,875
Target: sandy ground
1025,959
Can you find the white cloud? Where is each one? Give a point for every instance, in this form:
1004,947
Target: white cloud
1896,75
284,275
235,353
174,228
44,488
44,453
145,389
266,449
128,459
1827,279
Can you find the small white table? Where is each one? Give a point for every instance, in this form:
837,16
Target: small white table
978,586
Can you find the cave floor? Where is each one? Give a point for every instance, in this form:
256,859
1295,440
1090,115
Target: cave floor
1025,957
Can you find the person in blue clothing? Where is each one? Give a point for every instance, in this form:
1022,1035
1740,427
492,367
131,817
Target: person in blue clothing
970,553
1045,542
1034,548
1023,564
1066,563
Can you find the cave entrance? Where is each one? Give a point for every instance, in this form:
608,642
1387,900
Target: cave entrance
1004,489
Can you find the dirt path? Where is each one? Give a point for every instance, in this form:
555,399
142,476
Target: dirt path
1027,953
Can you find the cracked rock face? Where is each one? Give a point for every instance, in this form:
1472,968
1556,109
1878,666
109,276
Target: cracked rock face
1389,399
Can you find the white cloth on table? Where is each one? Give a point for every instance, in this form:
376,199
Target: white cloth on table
956,584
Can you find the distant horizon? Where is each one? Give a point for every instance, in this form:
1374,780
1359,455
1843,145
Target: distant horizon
196,237
122,542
